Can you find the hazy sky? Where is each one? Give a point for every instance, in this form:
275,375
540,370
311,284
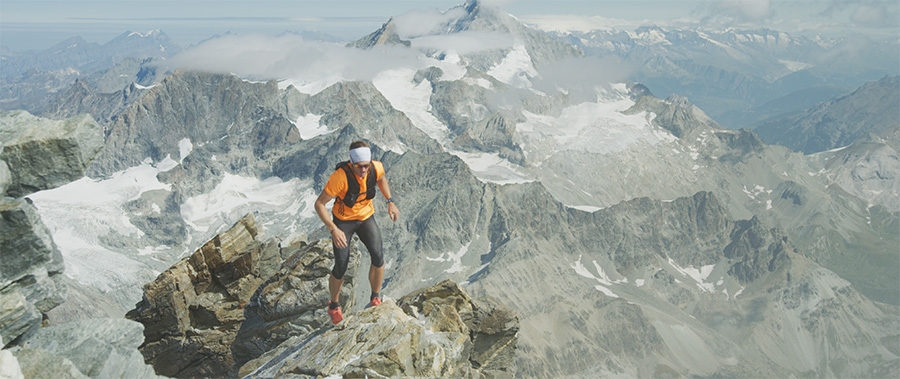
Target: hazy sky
38,24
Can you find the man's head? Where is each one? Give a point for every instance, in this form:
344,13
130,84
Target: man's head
360,158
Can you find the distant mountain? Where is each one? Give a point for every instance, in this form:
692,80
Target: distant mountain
729,71
31,80
76,53
872,109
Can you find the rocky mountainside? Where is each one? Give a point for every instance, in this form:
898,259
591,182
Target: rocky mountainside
632,235
866,113
39,154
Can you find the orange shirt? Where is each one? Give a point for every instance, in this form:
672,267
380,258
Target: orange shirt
337,187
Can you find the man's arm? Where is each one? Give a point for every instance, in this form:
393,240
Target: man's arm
393,211
337,235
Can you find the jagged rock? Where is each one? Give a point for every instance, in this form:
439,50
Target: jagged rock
25,243
100,348
192,311
43,154
18,317
30,266
756,249
434,332
292,302
674,114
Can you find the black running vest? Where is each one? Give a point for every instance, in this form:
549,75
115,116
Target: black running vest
353,195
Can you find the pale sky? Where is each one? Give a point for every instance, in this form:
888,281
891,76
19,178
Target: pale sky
38,24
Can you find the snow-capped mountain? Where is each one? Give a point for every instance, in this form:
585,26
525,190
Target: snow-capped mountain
633,234
749,68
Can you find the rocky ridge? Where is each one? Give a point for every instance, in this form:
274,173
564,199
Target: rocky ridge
244,307
868,110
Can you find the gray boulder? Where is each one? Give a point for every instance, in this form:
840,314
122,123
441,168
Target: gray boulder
18,317
43,154
101,348
5,175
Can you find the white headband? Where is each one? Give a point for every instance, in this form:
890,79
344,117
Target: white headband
360,154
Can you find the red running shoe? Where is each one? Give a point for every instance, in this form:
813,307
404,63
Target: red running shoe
376,301
336,314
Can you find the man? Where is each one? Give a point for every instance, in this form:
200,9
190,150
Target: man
353,184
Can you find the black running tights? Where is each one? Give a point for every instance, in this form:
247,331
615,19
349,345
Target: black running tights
368,234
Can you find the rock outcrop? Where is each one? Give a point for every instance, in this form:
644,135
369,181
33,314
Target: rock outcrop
292,302
43,154
192,312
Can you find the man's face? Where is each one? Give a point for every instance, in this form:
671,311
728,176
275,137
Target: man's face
361,168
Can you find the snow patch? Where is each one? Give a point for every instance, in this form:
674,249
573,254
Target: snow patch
601,277
456,258
237,195
599,127
491,168
699,276
412,99
794,66
309,126
515,69
184,148
80,213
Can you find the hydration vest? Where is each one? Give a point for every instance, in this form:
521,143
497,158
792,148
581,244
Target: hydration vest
353,195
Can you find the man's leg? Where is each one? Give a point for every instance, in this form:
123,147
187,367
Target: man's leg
334,288
341,260
376,277
371,237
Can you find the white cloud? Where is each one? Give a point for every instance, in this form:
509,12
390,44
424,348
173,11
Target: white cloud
465,42
260,57
581,77
744,10
875,15
424,22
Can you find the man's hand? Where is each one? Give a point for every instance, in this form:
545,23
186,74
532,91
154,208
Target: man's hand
339,238
393,211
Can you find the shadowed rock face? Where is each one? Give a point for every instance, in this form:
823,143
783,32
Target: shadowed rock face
192,311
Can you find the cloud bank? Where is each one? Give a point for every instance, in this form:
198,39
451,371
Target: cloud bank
744,10
260,57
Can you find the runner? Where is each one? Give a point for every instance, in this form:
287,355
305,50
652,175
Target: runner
353,184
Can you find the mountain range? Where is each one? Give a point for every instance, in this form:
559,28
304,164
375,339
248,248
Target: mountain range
633,235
